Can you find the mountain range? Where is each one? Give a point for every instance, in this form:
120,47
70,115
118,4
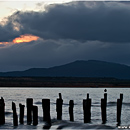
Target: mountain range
80,68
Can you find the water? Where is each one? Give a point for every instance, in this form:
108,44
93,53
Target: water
19,95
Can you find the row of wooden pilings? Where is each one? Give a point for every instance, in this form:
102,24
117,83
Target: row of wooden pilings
32,111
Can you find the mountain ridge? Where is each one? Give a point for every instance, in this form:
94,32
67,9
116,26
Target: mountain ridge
79,68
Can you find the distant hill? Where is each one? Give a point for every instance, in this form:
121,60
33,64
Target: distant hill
90,68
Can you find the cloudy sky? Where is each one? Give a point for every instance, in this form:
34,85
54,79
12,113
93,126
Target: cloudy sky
51,33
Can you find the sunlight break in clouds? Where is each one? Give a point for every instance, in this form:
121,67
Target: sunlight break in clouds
21,39
25,38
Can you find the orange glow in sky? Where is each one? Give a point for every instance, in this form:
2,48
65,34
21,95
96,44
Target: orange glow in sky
20,39
4,42
25,38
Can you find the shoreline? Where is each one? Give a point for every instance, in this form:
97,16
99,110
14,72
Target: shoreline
66,82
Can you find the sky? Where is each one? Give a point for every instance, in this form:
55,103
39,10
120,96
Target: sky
42,34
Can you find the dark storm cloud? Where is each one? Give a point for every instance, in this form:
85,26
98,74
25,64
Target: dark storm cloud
102,21
49,53
7,33
68,32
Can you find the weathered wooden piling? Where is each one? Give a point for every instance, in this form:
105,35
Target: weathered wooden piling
35,115
15,116
60,96
2,111
59,103
87,109
87,95
29,102
21,115
105,97
71,106
119,107
103,110
118,111
46,110
121,98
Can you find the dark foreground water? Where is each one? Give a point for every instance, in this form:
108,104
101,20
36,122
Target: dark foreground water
77,94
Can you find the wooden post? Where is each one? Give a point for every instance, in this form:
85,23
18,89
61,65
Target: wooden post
71,105
60,96
46,110
103,110
87,109
35,115
29,102
21,117
121,98
105,97
59,103
2,111
15,117
87,95
119,107
118,111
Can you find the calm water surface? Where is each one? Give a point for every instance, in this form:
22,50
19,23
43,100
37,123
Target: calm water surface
77,94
